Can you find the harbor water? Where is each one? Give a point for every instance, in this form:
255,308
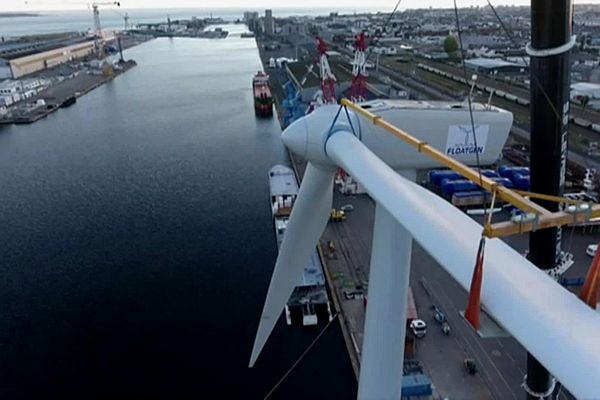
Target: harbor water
137,241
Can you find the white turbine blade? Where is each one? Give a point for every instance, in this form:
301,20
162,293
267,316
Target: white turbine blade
307,222
555,326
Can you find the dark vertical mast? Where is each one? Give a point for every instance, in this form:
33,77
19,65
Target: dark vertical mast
550,32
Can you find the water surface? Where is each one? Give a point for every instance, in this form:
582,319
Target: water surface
137,242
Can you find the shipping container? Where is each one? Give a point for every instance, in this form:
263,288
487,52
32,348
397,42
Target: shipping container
416,385
470,199
436,176
507,171
490,173
504,182
522,182
450,186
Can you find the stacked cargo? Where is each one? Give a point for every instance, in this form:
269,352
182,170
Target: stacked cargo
465,193
519,176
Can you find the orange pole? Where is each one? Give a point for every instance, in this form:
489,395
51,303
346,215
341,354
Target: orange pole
472,312
589,291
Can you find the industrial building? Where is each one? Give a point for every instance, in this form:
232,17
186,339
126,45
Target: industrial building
585,89
251,19
269,23
18,62
494,66
14,91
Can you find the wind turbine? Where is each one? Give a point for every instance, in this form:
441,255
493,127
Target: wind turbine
538,312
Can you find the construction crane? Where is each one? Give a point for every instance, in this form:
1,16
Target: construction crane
358,91
98,38
96,12
126,21
327,78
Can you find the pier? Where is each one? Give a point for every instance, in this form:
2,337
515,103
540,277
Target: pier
61,95
36,95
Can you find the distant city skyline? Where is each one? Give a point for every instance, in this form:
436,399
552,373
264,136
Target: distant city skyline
376,5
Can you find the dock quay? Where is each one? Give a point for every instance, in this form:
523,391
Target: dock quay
345,252
39,89
60,96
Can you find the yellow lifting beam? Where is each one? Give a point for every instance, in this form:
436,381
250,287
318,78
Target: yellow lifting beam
543,217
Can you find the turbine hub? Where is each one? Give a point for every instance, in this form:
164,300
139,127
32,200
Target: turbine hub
307,136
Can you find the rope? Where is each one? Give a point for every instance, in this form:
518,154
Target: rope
464,68
376,39
489,220
350,122
295,364
330,131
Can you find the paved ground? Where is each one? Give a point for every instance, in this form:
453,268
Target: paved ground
57,93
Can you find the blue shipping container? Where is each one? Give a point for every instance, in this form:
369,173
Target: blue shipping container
462,185
416,385
522,182
436,176
504,182
506,171
490,173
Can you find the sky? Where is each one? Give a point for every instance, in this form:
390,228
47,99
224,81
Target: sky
384,5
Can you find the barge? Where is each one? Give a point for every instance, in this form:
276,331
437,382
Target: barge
309,303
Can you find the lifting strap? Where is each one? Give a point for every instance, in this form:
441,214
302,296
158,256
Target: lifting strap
473,307
589,291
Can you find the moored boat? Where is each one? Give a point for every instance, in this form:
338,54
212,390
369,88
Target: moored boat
309,303
263,100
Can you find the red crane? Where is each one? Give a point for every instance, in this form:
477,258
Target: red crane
358,92
327,78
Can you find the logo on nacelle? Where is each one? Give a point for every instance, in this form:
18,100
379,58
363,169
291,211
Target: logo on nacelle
461,140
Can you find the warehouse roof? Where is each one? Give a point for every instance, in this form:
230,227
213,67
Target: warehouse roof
490,63
585,86
11,51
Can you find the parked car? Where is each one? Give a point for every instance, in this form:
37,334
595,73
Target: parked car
470,366
418,327
347,208
353,295
591,250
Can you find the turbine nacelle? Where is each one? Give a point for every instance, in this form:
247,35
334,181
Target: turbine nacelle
443,125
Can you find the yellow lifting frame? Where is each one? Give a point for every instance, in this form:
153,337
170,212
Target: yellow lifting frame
543,217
